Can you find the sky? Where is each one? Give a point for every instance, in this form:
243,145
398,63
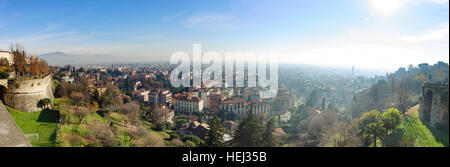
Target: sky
373,34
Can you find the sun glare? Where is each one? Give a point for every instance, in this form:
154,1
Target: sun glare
386,7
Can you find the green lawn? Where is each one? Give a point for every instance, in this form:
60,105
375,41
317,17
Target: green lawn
413,133
41,122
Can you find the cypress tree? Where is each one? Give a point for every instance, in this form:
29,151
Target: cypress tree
268,139
214,137
248,133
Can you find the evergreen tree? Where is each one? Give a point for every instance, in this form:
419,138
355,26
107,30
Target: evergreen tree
97,97
371,123
268,139
391,120
214,137
249,132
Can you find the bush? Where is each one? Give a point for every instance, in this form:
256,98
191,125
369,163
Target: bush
193,138
169,126
190,143
181,121
160,127
174,136
4,75
178,143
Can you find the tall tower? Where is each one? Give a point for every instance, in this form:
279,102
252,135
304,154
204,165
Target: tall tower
353,71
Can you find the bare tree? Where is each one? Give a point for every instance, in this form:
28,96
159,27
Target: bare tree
136,132
19,59
132,110
159,113
42,68
34,66
103,133
24,66
74,140
81,114
77,98
153,141
402,97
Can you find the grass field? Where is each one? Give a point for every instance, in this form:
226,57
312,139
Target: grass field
413,133
41,122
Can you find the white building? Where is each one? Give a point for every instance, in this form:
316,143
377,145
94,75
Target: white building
187,103
8,56
165,97
68,79
240,107
203,93
160,96
236,105
140,95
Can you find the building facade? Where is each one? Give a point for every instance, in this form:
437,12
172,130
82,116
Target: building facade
187,103
240,107
8,56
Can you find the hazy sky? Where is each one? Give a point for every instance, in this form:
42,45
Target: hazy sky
366,33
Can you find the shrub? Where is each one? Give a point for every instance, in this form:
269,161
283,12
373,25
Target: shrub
4,75
193,138
178,143
190,143
174,136
160,127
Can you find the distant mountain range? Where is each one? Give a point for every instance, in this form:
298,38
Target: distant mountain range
61,58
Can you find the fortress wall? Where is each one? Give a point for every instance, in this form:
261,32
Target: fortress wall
434,104
24,95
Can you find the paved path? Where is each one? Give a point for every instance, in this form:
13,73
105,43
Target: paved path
10,133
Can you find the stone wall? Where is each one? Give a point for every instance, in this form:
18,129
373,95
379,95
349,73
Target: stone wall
434,104
24,95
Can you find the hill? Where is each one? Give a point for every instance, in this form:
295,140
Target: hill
412,133
61,58
401,89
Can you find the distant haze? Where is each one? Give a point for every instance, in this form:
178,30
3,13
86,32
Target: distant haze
61,58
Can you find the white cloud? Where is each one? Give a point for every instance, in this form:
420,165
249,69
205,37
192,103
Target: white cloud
210,21
433,34
44,36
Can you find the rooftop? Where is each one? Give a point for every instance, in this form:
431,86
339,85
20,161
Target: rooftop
186,96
